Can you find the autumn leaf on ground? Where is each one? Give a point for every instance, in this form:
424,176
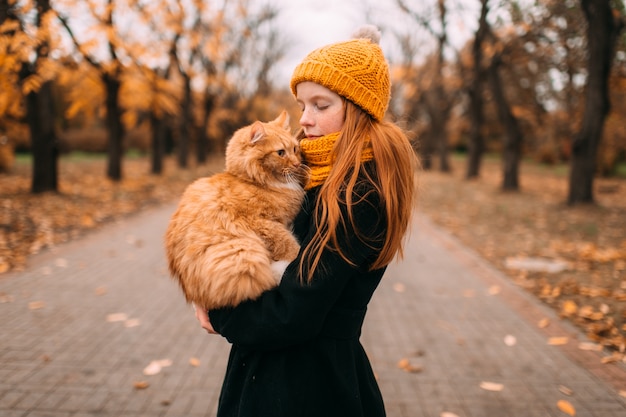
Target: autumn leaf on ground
405,365
615,357
115,317
194,362
156,366
6,298
590,346
569,308
141,384
101,290
510,340
494,290
558,341
491,386
132,323
566,407
36,305
448,414
543,323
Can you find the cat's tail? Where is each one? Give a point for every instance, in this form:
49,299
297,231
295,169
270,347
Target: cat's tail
227,273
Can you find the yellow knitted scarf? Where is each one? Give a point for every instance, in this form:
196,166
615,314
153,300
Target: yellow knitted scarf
318,155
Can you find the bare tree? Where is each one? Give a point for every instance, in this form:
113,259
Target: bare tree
603,27
437,103
476,144
513,137
110,74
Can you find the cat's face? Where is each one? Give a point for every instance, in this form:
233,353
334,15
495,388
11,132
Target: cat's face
266,153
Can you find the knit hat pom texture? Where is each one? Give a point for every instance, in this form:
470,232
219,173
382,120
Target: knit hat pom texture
355,69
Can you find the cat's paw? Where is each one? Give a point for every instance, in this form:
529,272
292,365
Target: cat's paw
278,269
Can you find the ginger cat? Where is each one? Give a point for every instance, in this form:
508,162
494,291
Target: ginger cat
230,227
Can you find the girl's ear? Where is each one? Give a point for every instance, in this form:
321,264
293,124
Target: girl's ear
283,119
257,132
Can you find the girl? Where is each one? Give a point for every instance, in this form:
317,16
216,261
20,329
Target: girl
296,350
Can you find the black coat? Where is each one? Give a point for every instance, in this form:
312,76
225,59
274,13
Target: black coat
296,349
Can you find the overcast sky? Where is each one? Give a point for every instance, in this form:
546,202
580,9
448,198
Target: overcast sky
310,24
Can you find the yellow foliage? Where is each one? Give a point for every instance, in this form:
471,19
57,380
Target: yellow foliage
31,84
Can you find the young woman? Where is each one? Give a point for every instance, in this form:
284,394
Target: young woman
296,350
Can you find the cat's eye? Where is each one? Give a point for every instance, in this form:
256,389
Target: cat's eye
281,152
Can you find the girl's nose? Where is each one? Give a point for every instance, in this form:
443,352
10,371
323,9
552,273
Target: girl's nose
305,119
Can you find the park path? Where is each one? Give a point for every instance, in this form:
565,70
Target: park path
84,320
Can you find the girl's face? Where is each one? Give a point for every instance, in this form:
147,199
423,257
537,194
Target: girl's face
323,111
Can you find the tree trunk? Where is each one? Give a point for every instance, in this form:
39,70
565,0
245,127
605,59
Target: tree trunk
40,121
44,145
202,137
186,122
114,126
476,142
602,32
158,126
512,133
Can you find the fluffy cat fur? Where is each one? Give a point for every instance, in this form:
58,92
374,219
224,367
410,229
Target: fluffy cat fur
231,227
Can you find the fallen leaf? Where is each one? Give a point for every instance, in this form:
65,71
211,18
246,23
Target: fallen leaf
590,346
566,407
565,390
36,305
494,290
469,293
101,290
569,308
622,393
156,366
448,414
152,369
615,357
194,362
510,340
406,366
543,323
6,298
491,386
87,221
115,317
141,384
558,341
132,323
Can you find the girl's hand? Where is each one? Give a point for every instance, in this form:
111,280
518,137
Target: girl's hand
203,317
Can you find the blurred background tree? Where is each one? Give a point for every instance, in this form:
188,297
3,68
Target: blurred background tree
544,80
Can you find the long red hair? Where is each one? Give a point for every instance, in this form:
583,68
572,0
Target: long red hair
395,182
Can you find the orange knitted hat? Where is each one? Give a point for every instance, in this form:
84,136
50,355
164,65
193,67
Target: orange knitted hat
355,69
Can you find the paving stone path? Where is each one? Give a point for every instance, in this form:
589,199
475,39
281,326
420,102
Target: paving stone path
82,322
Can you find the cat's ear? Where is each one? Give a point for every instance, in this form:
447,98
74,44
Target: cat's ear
256,132
283,120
